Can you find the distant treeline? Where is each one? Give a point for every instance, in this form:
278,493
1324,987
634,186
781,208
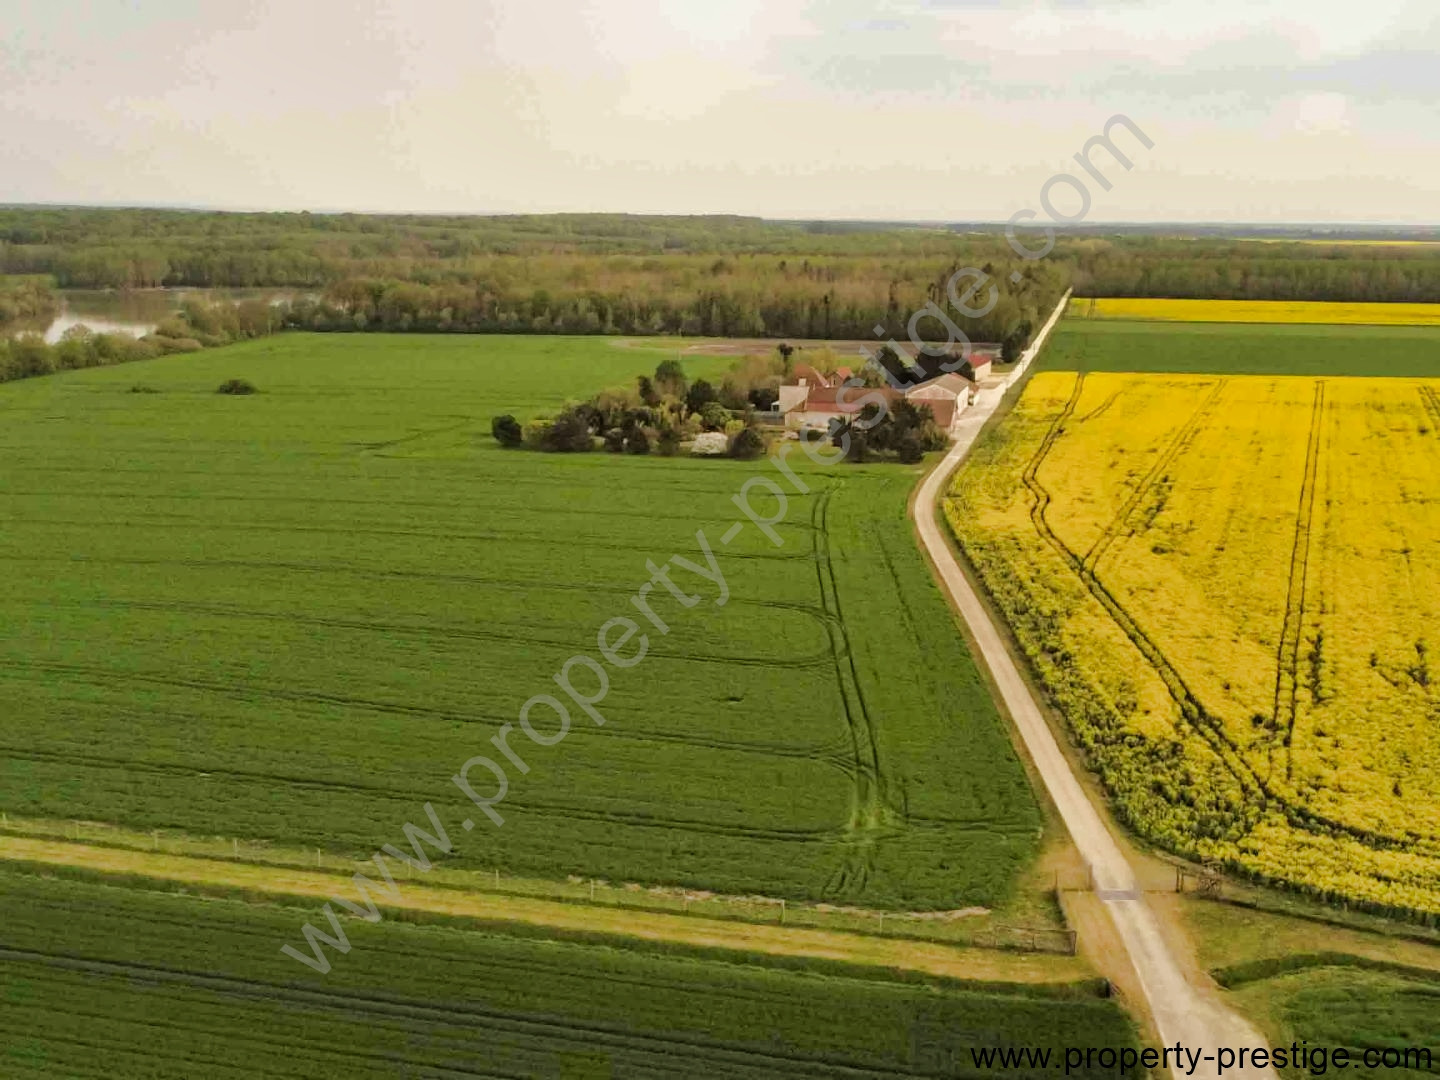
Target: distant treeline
1230,269
729,276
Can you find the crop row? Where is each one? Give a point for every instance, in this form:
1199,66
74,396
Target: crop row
100,972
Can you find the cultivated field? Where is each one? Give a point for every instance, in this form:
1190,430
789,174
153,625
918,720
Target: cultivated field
102,982
1244,349
1393,1016
1231,588
1254,311
292,617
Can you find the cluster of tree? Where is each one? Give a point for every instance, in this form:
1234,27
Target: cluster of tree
27,300
723,276
845,299
546,274
197,325
903,432
660,412
1227,268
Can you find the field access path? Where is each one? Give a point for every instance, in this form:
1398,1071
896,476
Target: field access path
1183,1008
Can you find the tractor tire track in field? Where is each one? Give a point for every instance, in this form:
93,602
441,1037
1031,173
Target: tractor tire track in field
820,614
576,1034
178,520
153,522
850,878
411,799
1287,658
820,659
1178,446
249,692
475,485
1431,401
1211,728
416,436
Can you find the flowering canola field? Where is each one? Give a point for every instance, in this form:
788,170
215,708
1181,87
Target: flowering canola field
1230,586
1254,311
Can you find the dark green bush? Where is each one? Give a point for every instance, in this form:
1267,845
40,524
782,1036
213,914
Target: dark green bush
507,430
747,445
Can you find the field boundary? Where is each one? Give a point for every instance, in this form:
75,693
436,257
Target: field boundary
1176,309
1175,1003
945,959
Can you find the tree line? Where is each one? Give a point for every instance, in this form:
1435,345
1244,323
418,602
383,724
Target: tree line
724,276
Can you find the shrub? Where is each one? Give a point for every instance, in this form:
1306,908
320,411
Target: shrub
569,433
931,437
637,442
748,445
714,416
507,430
700,394
909,448
141,388
764,397
668,444
236,386
710,444
537,433
615,440
176,345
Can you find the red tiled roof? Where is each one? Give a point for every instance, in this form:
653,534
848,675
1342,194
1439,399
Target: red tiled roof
810,375
828,398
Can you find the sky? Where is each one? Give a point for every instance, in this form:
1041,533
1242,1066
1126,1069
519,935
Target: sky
920,110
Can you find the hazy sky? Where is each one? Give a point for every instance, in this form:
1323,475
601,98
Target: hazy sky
1309,110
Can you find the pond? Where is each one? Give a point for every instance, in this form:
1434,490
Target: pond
135,311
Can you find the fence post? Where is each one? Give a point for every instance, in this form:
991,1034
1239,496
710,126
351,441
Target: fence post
235,846
782,912
592,890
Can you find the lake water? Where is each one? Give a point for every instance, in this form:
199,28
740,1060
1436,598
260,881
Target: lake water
136,312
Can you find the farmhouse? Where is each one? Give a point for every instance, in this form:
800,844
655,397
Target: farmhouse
805,406
814,398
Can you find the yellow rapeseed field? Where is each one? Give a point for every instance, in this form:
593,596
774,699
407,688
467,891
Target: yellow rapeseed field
1230,586
1254,311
